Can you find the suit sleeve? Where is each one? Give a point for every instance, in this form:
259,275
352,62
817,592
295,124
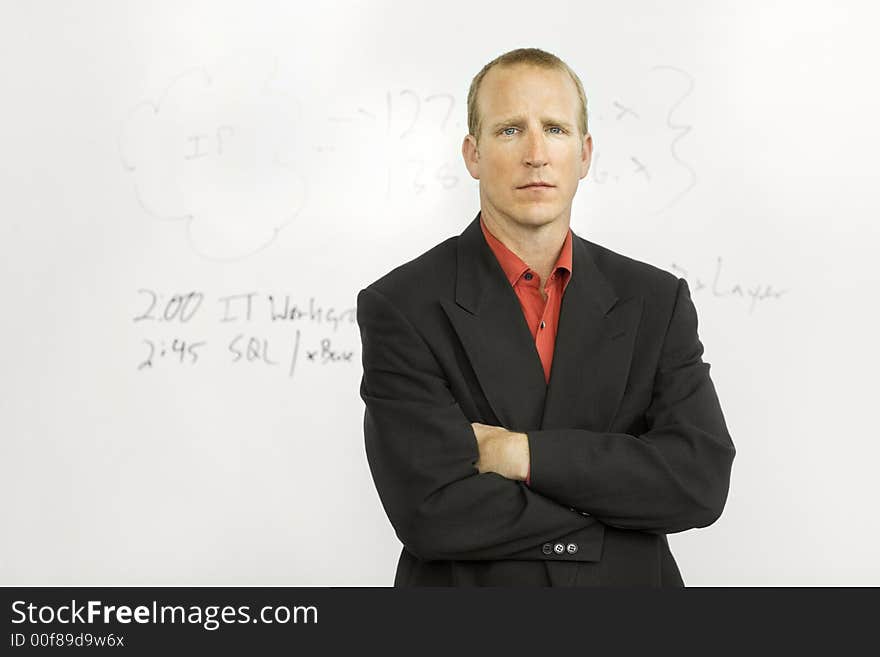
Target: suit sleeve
671,478
422,452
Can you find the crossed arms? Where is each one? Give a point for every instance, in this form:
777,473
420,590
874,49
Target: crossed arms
424,453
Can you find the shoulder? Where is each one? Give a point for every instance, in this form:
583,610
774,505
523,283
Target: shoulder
631,277
416,282
663,294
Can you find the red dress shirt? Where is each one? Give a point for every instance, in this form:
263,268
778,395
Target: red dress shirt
542,316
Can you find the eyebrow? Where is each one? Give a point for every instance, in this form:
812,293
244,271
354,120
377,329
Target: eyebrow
519,120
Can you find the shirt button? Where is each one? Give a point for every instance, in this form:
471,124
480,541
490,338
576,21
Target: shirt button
528,276
559,548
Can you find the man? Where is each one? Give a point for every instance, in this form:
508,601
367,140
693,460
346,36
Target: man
537,409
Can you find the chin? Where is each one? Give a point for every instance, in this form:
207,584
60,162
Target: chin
537,216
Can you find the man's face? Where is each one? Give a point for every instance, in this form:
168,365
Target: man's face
528,134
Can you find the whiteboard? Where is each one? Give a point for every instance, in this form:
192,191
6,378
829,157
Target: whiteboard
194,193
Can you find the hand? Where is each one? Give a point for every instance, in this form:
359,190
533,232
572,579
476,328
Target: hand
501,451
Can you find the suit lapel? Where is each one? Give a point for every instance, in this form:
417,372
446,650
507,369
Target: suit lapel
489,322
594,345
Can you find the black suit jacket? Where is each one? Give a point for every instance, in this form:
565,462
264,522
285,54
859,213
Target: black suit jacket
627,441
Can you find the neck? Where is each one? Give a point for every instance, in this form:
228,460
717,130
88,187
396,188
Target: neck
537,245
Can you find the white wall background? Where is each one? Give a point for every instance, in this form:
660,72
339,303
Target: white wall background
291,153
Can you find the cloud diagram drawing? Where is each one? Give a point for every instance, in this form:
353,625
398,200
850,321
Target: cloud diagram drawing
206,153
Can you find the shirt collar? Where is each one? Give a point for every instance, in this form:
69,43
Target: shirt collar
513,265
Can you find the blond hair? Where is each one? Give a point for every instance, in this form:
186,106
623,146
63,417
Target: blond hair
534,57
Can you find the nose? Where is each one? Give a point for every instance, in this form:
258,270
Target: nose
536,149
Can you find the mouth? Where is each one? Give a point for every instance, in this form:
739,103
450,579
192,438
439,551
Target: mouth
537,186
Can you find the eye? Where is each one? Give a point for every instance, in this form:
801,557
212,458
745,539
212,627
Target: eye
505,131
556,127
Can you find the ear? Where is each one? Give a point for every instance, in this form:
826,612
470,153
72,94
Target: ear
586,155
471,155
